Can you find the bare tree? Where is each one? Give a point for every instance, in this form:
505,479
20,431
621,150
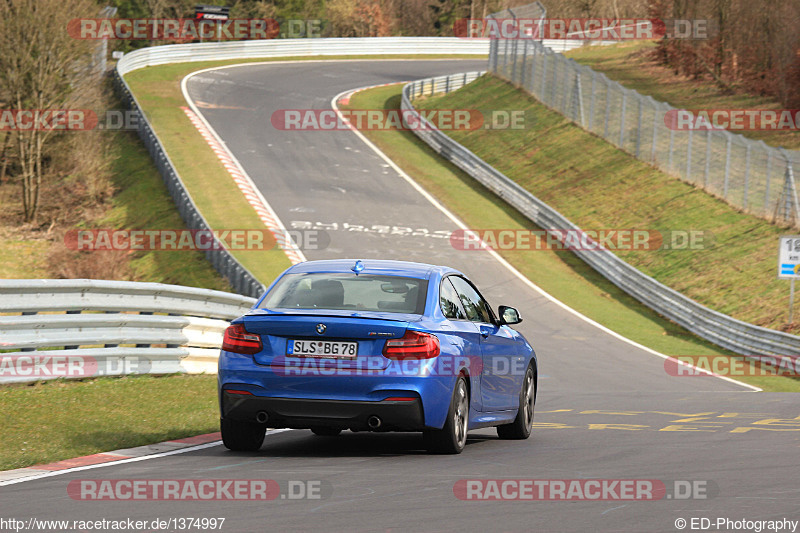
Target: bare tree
41,68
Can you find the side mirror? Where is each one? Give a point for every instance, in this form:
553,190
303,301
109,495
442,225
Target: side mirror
509,315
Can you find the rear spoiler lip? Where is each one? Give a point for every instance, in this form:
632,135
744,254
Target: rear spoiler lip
336,313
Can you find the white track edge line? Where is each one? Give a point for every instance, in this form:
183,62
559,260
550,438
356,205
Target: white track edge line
124,461
184,89
499,258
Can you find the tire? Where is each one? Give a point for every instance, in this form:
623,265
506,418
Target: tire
452,438
520,428
326,432
242,436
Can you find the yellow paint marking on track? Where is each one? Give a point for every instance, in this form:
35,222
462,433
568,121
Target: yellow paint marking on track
624,427
682,427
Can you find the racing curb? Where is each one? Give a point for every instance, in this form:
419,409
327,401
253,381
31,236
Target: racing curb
110,457
246,187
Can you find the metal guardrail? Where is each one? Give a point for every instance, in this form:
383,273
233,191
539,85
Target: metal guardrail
89,328
241,279
276,48
722,330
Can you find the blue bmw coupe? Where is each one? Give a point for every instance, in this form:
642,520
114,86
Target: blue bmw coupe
375,346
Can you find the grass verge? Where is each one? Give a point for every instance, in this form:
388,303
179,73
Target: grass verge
597,186
56,420
65,419
143,202
559,273
212,188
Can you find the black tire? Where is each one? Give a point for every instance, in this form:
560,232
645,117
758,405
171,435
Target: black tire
452,438
242,436
326,432
520,428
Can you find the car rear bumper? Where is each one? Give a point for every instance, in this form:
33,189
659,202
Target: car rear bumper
298,413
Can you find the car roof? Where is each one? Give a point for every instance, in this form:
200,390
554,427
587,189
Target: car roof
373,266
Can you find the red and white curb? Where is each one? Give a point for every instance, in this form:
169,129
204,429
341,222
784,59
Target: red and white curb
117,457
9,477
245,185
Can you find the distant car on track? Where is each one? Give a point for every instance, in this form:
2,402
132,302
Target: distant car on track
375,346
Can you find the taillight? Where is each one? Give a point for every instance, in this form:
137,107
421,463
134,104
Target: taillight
412,345
238,340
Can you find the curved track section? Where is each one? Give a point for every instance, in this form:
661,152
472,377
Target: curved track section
606,408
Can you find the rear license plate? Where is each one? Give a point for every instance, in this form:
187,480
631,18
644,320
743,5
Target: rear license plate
322,348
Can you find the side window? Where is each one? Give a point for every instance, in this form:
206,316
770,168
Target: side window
476,307
448,300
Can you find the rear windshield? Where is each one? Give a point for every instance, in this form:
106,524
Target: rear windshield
367,292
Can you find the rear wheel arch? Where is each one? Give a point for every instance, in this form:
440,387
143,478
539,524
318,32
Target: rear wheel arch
464,373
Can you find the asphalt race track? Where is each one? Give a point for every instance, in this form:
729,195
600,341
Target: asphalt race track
606,409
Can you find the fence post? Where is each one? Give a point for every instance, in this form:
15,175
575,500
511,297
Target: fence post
746,175
791,207
555,82
447,84
671,148
708,159
608,108
533,66
543,92
727,167
577,101
622,119
569,68
654,146
689,156
639,129
769,177
591,101
524,59
514,64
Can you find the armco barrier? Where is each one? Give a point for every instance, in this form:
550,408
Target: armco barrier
241,279
223,261
722,330
50,327
87,328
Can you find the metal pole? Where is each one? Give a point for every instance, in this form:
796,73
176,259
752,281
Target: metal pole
622,120
639,129
689,157
791,301
746,175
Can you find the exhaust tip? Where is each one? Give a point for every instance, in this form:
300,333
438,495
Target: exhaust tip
262,417
374,422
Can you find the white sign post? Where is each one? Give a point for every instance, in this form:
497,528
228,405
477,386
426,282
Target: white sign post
789,264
